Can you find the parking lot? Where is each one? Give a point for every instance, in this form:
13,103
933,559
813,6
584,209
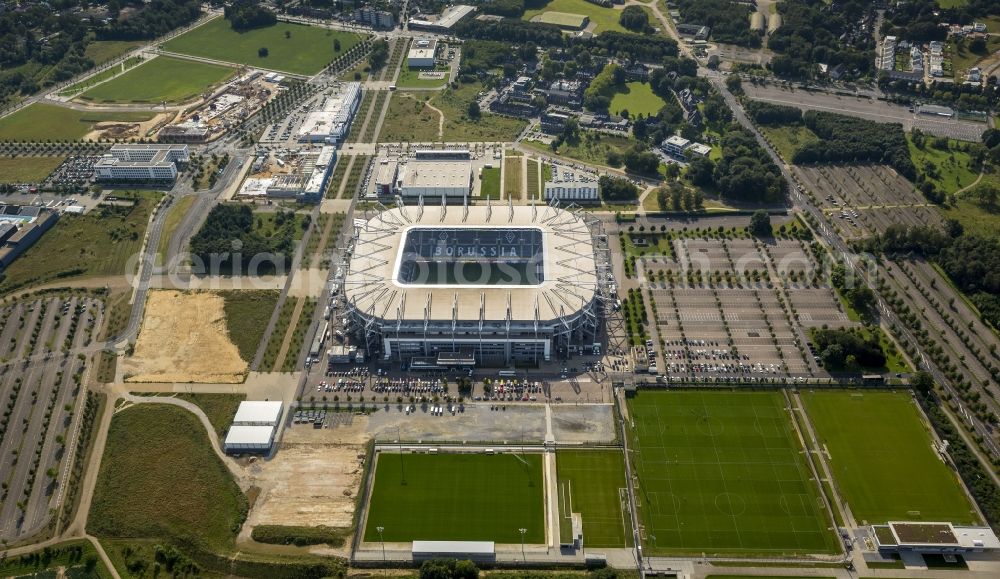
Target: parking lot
39,390
861,200
76,170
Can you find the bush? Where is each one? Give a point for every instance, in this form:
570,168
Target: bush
299,536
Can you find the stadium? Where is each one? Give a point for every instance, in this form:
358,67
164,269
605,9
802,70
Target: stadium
443,287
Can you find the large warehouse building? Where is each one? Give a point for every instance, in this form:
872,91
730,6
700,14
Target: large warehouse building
254,426
133,162
436,286
330,121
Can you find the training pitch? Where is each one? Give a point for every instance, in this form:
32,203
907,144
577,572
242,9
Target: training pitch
882,458
592,483
457,497
723,472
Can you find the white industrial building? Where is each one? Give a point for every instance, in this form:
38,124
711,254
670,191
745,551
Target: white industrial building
331,120
133,162
571,185
421,54
254,426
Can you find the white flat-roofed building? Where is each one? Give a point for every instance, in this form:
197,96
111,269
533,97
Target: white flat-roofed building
435,179
421,54
571,185
933,537
444,22
141,162
700,149
675,145
256,439
385,177
471,550
258,413
331,120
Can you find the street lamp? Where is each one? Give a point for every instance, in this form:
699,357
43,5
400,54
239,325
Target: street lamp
381,540
522,530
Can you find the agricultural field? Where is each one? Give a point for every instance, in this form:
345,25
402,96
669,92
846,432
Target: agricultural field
457,497
161,79
882,458
27,169
305,51
42,122
186,492
592,483
637,98
605,18
102,242
722,472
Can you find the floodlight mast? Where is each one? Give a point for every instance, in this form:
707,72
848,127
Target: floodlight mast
381,539
522,530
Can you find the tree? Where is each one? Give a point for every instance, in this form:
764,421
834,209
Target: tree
734,84
922,382
336,45
379,54
262,52
474,112
634,18
760,224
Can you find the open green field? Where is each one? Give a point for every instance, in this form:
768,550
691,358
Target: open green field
787,140
605,18
41,122
469,497
723,472
100,77
512,181
592,148
219,408
562,19
101,51
247,315
99,243
409,119
882,458
490,188
973,217
454,103
27,169
949,169
161,79
591,483
409,78
637,98
160,479
306,51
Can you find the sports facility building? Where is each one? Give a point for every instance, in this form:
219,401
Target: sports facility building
439,286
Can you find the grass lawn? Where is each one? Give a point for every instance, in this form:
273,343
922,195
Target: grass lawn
534,185
175,215
161,79
247,315
638,99
409,78
41,122
589,484
99,243
512,181
409,119
592,148
973,217
882,458
723,472
77,557
160,479
305,52
454,103
949,169
788,139
101,51
490,188
102,76
469,497
27,169
962,59
605,18
107,362
298,336
219,408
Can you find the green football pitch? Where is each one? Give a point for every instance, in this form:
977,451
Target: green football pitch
592,483
457,497
723,472
882,458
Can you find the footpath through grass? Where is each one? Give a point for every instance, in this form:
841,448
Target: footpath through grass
161,79
461,497
41,122
218,408
882,459
305,51
723,472
160,479
99,243
592,483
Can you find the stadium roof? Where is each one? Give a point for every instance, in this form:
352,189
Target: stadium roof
258,411
570,278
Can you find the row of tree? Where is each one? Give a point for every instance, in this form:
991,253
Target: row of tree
848,349
851,139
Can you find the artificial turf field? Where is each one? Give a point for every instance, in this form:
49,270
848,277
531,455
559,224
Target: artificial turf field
882,458
461,497
305,51
160,79
589,483
723,472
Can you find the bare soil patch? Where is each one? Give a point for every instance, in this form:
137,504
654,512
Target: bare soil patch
184,338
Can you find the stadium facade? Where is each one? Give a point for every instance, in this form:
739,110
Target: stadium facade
438,286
